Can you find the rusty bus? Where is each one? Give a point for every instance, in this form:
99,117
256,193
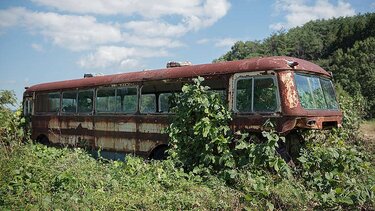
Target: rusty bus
127,112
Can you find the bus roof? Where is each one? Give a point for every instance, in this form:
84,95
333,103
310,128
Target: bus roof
220,68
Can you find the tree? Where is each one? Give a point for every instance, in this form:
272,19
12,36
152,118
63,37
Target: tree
355,70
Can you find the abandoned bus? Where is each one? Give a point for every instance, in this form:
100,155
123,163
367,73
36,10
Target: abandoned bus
127,112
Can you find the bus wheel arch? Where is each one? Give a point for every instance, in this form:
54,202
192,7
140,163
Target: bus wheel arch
159,152
42,139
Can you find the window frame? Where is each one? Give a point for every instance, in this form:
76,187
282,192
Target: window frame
253,77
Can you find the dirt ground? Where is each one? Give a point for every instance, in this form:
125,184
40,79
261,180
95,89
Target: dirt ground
367,129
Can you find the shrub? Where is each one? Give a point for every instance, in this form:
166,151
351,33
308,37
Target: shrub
199,133
11,123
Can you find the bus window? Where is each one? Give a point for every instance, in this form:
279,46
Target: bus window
257,94
244,95
48,102
264,95
27,107
315,92
329,93
148,103
69,102
85,101
106,100
164,102
127,100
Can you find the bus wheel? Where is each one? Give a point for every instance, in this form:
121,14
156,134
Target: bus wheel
294,142
42,139
283,151
159,153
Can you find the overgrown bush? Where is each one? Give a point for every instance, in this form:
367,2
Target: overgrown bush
11,123
332,172
199,133
200,138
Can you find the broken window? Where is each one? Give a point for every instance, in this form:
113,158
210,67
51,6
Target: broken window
69,102
85,101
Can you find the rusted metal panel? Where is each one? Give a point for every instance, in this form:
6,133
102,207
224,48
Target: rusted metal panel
221,68
288,91
131,134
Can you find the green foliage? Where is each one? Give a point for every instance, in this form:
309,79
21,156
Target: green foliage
353,109
43,178
260,154
200,125
10,122
355,70
337,173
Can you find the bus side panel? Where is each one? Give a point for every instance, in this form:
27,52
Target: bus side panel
137,134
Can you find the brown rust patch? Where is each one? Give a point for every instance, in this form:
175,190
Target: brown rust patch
290,92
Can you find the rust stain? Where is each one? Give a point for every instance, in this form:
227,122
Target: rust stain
290,92
151,128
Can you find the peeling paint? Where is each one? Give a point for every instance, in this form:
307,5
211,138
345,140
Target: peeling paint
290,90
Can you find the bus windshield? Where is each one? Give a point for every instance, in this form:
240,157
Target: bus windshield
315,92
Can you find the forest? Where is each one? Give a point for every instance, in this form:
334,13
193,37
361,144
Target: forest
334,169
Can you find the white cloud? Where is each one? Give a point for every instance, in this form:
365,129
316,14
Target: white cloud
67,31
299,12
151,42
37,47
193,14
114,56
226,42
219,42
10,17
203,41
156,28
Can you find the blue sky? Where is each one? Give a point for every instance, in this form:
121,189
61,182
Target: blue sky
50,40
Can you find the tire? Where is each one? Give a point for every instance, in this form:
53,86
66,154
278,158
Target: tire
160,153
